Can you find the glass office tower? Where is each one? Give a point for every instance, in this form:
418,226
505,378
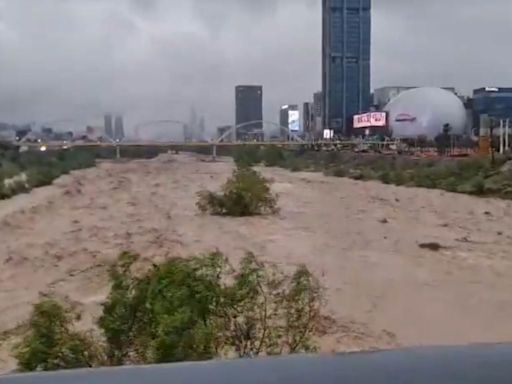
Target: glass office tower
346,62
249,110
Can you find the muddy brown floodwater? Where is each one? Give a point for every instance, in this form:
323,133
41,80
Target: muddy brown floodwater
361,238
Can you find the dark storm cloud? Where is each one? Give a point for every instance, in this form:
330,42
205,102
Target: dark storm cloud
155,58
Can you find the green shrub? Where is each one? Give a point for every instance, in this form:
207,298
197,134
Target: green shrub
183,310
450,184
202,307
247,156
476,186
51,344
399,177
163,316
41,168
356,174
272,156
246,193
40,177
294,164
385,177
337,171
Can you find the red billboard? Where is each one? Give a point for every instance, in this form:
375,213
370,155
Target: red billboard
371,119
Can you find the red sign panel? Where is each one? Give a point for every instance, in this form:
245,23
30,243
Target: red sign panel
372,119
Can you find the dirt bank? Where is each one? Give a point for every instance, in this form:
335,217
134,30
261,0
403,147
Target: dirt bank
361,238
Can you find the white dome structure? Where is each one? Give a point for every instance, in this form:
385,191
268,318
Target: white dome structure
424,112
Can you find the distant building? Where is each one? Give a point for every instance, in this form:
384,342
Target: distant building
283,122
7,133
192,126
317,112
289,120
95,133
222,130
47,132
382,96
249,111
346,51
424,112
187,133
317,104
492,101
201,130
308,120
22,133
119,128
63,136
109,127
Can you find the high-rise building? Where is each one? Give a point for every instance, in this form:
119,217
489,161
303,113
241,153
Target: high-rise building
249,111
308,120
109,127
345,61
118,128
318,102
283,120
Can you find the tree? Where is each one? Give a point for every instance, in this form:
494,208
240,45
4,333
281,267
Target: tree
121,310
165,315
246,193
51,344
189,309
271,313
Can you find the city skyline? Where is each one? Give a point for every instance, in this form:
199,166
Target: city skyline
141,58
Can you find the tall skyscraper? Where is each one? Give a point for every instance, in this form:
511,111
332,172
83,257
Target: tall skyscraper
346,61
118,128
109,127
249,108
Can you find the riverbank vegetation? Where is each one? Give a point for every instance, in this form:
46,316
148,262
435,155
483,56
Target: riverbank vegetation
472,175
190,309
20,171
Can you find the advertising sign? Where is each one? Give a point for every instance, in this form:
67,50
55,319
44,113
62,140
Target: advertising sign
294,120
372,119
328,134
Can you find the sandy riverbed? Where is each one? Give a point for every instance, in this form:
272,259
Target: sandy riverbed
361,238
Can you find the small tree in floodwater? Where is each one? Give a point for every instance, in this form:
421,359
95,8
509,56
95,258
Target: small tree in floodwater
246,193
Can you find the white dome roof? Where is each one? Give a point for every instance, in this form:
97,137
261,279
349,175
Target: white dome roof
424,112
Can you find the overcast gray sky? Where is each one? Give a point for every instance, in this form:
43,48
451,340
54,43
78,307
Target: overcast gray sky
154,58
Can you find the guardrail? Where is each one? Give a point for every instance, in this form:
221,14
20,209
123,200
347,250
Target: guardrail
479,364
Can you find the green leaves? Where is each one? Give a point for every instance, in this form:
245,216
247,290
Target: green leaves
182,310
38,169
202,307
51,344
246,193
